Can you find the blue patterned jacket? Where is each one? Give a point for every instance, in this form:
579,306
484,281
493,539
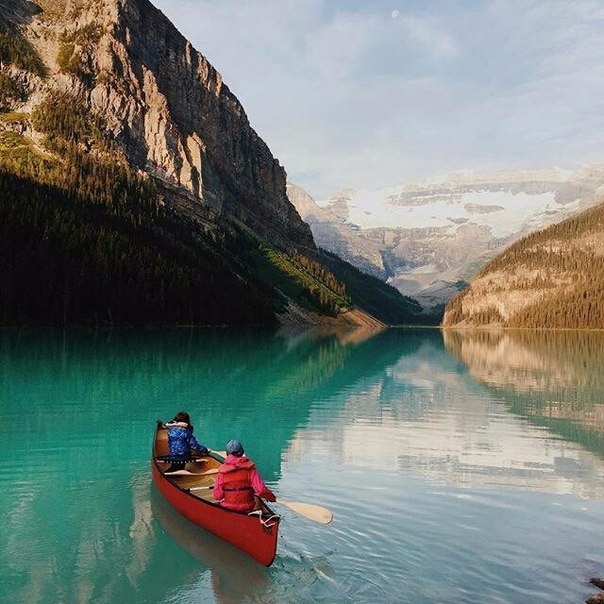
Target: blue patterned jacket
181,441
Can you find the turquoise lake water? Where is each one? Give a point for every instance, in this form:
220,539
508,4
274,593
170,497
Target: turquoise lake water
459,468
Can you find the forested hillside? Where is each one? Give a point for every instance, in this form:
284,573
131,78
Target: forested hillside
88,237
84,239
553,278
376,297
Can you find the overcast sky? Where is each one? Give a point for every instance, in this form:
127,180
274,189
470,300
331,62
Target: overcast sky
367,94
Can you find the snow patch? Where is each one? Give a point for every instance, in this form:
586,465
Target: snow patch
506,202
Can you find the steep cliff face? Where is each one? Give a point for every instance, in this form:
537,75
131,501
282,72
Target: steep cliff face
162,103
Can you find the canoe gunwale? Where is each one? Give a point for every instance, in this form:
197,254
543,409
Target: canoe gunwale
255,534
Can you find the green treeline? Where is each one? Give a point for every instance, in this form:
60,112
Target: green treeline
580,308
66,261
67,122
563,265
485,316
86,240
556,248
379,299
320,285
291,280
560,257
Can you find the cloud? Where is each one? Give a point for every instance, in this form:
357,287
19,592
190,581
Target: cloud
357,94
425,32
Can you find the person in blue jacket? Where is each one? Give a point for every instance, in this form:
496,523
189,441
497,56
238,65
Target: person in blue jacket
181,441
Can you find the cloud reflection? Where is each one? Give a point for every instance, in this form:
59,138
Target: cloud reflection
481,423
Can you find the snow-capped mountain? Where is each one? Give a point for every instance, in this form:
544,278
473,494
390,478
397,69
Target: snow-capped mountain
428,238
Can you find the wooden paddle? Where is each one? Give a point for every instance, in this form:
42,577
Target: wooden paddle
309,510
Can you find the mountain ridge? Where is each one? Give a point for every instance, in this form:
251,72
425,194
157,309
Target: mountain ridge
550,279
429,238
132,186
102,55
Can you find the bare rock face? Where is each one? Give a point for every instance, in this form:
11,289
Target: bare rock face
334,234
164,104
428,239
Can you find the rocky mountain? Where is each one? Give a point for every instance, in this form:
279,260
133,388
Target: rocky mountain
133,189
165,106
429,238
552,278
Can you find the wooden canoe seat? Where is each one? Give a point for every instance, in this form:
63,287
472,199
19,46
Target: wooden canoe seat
201,485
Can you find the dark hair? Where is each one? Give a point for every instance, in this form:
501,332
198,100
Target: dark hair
182,416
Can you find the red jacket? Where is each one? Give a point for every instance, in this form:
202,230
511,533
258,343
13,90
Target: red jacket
237,483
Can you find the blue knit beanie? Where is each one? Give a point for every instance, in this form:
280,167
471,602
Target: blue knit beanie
234,447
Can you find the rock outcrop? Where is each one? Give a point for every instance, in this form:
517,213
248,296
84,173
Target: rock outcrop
163,103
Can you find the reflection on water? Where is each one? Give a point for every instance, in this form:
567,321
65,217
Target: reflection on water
234,576
425,417
451,466
555,378
526,360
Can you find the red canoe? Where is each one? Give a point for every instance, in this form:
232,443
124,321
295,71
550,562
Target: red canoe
189,491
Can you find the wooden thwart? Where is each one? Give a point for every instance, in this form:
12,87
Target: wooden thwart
187,473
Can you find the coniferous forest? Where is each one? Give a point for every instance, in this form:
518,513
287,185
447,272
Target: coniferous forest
572,253
561,269
87,240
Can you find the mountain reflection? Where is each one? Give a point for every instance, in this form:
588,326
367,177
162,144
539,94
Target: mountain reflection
554,378
515,419
322,413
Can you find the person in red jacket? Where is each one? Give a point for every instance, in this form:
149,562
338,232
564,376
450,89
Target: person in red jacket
238,482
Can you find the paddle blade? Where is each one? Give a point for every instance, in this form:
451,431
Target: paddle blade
309,510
